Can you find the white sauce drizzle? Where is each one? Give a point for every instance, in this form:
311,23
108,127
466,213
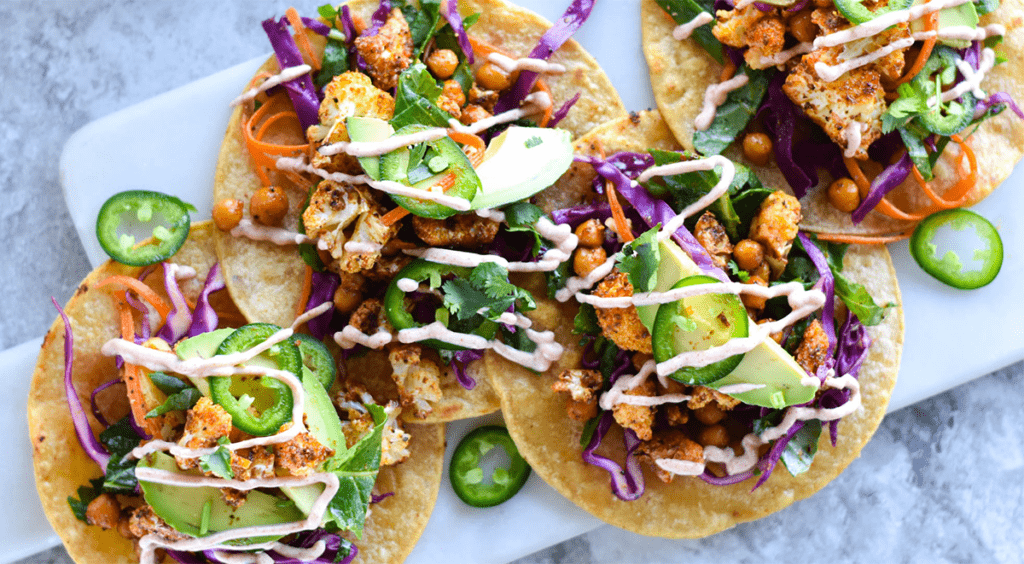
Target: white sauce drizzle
349,337
684,31
510,65
547,351
617,395
362,247
830,73
715,96
963,32
377,148
575,284
852,135
407,285
884,22
290,73
972,79
532,104
276,235
783,57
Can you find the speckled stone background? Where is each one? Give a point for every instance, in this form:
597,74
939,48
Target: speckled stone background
942,481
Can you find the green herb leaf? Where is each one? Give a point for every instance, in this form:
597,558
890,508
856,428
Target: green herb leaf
533,142
119,439
357,472
487,292
555,280
335,62
734,115
683,11
522,214
585,322
416,100
639,259
86,495
218,462
168,384
799,452
180,401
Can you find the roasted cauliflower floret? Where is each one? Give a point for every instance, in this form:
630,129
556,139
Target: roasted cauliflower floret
711,235
418,379
701,396
464,231
639,418
369,318
301,455
583,388
621,325
347,213
813,349
765,39
205,424
394,441
389,52
671,444
348,94
775,226
732,25
145,521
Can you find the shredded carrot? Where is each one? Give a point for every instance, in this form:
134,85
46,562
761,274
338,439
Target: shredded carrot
260,75
543,87
271,115
728,71
131,374
144,292
301,39
307,289
394,215
931,23
484,48
621,225
864,239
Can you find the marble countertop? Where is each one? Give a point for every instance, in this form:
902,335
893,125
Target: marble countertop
942,480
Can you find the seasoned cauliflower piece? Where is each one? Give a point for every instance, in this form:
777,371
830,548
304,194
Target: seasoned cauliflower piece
389,52
394,441
252,463
348,94
461,230
370,319
765,39
418,379
732,25
775,226
639,418
621,325
711,235
205,423
701,396
302,455
333,209
671,444
583,387
145,521
813,349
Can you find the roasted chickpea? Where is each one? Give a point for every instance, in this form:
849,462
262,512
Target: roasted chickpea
104,511
640,359
757,147
346,300
492,77
587,259
749,254
843,195
709,414
453,91
590,233
715,435
227,214
750,301
472,114
802,28
123,526
268,205
442,63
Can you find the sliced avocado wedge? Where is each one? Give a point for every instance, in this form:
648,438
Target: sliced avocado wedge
963,15
767,365
521,162
203,345
182,507
367,129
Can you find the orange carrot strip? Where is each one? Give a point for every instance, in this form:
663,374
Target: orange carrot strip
307,289
728,71
394,215
864,239
483,48
144,292
621,225
131,374
543,87
931,23
264,155
301,39
864,186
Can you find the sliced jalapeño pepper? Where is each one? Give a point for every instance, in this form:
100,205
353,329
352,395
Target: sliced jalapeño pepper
940,71
698,323
316,358
948,268
269,398
142,206
423,166
858,13
418,271
468,478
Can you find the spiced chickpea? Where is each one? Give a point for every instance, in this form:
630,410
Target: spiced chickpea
104,511
709,414
757,147
347,298
843,195
749,254
473,113
227,213
442,63
590,233
715,435
587,259
640,359
268,205
802,28
453,91
492,77
123,526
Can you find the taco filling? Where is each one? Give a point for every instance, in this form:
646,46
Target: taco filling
418,145
873,92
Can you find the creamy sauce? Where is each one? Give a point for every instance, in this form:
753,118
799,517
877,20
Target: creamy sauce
884,22
362,247
407,285
963,33
575,284
830,73
783,57
547,351
290,73
179,323
684,31
276,235
715,96
349,337
533,104
510,65
972,79
617,395
377,148
852,135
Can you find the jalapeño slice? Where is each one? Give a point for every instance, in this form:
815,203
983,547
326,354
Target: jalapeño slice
140,207
940,71
467,476
316,358
699,323
258,405
949,268
425,165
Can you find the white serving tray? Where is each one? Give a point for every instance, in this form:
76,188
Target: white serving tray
170,143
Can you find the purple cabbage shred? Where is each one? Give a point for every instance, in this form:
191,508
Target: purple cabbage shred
204,318
827,284
180,318
780,117
460,360
768,463
999,98
300,90
374,498
890,178
627,484
710,478
450,11
379,18
92,400
563,111
316,26
324,286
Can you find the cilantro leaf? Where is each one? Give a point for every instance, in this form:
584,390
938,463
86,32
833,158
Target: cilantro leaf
800,450
487,292
218,462
180,401
357,471
416,99
119,439
585,322
639,260
86,494
522,214
335,62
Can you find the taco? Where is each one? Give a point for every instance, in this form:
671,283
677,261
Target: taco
654,420
891,152
389,71
97,499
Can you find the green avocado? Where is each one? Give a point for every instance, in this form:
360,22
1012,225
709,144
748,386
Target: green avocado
369,129
182,507
963,15
203,345
521,162
768,364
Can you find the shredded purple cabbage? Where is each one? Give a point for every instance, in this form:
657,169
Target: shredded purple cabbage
999,98
300,90
450,11
333,545
316,26
460,360
578,214
574,17
563,111
378,19
324,286
92,400
890,178
374,498
188,557
204,318
180,318
710,478
89,443
827,284
628,484
780,117
768,463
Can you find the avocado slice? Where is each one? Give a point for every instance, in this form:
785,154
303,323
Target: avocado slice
768,364
182,507
366,129
203,345
963,15
521,162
